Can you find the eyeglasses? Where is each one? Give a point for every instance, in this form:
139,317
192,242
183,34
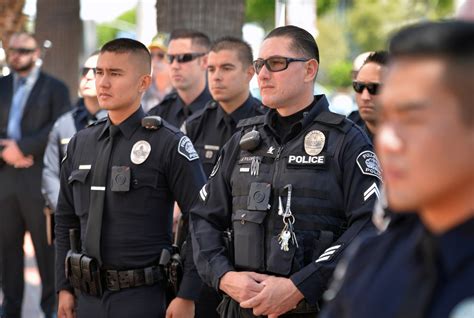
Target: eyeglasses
85,70
159,55
183,58
372,88
276,63
21,50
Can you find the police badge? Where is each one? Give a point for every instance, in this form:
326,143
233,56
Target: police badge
140,151
314,142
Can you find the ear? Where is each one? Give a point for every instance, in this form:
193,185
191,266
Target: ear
250,71
145,82
311,70
204,62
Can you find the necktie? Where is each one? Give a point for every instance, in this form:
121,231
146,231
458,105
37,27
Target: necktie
97,197
16,111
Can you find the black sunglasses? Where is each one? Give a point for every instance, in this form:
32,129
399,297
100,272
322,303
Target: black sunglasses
85,70
183,58
21,50
276,63
372,88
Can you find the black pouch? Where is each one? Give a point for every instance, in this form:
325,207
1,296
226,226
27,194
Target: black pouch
73,269
280,261
249,240
91,282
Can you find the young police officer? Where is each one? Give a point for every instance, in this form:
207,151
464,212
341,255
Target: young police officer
296,186
119,182
421,266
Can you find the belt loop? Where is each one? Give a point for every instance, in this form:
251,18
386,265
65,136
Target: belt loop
131,278
149,276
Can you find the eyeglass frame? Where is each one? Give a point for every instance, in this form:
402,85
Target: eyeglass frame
288,60
183,58
85,70
372,88
21,50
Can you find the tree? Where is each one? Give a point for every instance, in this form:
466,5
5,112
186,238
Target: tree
11,19
59,22
215,18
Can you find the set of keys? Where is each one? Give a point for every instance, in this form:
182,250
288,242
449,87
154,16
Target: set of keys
287,234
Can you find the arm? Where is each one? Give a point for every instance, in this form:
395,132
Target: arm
52,160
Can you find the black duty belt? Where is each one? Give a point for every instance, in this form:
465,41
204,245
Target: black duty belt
117,280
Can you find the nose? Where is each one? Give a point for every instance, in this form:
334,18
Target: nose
264,73
365,95
387,140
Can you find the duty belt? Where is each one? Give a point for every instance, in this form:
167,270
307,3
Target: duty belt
117,280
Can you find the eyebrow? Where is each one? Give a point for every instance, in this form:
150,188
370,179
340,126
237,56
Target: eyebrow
117,70
405,107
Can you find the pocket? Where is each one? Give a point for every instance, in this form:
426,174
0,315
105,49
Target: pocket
280,261
249,239
80,190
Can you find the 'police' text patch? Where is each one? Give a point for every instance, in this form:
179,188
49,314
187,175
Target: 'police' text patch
186,149
369,164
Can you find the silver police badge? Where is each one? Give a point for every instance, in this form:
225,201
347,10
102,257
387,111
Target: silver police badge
140,151
314,142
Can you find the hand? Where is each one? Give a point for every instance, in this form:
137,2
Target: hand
176,216
242,285
13,155
180,308
278,296
25,162
66,305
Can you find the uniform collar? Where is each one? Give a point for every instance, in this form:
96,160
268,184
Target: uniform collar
196,104
242,112
128,126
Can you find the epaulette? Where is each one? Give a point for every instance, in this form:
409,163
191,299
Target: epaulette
251,121
333,119
98,122
171,96
212,104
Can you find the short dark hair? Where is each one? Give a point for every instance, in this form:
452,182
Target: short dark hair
197,38
125,45
243,49
378,57
302,40
450,41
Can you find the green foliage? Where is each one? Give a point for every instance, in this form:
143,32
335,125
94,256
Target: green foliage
340,74
108,31
261,12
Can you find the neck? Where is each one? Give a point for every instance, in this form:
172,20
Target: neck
370,126
450,209
188,96
292,107
92,105
230,106
25,73
117,116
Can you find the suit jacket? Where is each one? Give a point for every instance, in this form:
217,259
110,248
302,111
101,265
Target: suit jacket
48,99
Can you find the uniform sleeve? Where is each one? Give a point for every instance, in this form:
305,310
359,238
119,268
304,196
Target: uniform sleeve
360,186
186,177
60,103
52,160
211,216
65,219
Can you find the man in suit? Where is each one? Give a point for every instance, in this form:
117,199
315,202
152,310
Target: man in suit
30,102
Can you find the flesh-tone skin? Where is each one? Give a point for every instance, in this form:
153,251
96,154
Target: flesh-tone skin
425,146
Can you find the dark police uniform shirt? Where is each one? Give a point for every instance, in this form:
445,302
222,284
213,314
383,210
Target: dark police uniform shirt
210,128
137,224
175,111
386,276
333,195
355,117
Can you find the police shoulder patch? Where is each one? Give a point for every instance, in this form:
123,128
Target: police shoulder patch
186,149
369,164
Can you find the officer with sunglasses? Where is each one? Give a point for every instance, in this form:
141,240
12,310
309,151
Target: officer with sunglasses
291,190
367,86
187,58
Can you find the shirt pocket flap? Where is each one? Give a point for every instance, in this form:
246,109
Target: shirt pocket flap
249,216
79,175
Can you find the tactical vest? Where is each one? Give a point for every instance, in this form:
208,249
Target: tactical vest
310,162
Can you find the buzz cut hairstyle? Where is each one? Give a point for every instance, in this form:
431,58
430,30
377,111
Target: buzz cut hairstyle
378,57
303,42
125,45
450,41
27,34
243,49
197,38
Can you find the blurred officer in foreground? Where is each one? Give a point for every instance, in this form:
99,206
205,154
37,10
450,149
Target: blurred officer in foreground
118,184
30,103
229,71
367,86
187,58
86,112
295,186
425,140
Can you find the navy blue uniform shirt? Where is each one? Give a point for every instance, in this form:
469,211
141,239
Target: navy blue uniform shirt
387,274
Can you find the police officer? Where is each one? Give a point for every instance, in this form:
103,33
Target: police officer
86,112
187,57
229,71
295,186
423,264
118,184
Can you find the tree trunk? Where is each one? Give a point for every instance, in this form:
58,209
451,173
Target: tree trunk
216,18
11,19
59,22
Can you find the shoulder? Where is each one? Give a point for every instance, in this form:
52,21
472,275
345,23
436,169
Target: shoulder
258,106
252,121
54,81
211,106
167,100
66,118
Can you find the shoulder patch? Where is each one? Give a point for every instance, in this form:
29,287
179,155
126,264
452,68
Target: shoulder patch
186,149
369,164
251,121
